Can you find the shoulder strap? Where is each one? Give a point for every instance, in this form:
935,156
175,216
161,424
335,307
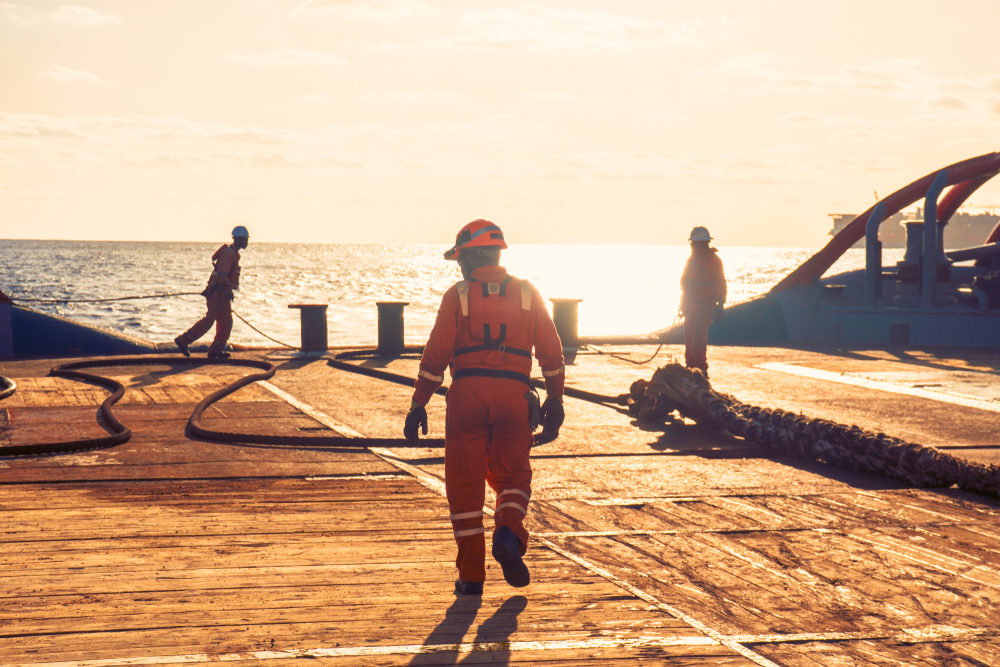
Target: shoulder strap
462,287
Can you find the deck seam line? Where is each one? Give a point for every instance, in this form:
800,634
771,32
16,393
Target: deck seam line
402,649
843,378
437,484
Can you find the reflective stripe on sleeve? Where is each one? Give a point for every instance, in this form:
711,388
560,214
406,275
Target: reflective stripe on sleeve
466,515
558,371
470,531
430,376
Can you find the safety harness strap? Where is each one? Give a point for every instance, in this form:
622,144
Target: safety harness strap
491,373
500,347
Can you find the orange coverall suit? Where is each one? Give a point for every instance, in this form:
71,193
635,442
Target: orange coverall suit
218,297
703,286
485,330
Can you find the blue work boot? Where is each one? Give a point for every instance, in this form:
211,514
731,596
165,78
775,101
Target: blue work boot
507,551
468,587
182,346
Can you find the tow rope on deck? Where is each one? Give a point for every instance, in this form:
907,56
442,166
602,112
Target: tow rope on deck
674,387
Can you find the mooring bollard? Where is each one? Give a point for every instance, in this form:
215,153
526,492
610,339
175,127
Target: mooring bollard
313,326
390,326
564,315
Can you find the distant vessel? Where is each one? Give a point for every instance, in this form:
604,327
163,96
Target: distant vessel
964,229
932,297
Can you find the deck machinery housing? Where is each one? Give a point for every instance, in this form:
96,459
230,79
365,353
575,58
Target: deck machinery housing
953,300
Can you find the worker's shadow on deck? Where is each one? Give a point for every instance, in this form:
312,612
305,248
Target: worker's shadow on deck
491,643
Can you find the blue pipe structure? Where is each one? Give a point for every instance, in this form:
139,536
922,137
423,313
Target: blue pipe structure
873,257
931,251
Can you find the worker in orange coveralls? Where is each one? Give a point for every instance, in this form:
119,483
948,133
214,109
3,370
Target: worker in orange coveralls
218,297
485,331
703,287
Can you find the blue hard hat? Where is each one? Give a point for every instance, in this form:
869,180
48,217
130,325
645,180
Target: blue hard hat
239,231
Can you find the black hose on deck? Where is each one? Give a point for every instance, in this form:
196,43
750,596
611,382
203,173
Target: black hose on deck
600,399
121,434
194,429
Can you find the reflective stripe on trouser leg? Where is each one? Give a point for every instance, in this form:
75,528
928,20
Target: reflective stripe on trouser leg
511,508
509,471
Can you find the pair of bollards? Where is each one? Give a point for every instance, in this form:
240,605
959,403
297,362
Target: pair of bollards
390,324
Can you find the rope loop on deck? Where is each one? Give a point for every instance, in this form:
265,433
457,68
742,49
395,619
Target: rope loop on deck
674,387
120,434
7,387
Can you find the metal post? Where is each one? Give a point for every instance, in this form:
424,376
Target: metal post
313,316
873,257
390,326
928,283
564,315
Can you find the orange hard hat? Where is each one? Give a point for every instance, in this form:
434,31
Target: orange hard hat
477,234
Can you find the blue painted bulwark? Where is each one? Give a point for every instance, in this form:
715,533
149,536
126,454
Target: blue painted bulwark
35,334
760,321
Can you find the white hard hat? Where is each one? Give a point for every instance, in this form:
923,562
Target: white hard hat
239,231
699,234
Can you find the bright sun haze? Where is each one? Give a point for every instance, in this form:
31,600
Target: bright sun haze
396,121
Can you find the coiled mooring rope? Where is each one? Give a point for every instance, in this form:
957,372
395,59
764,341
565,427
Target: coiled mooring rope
674,387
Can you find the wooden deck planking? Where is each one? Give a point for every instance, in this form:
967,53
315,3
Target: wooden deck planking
769,552
368,580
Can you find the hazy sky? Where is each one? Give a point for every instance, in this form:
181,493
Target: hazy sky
561,120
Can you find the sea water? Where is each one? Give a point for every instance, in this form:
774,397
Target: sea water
623,289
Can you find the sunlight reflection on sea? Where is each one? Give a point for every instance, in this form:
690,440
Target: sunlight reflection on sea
624,289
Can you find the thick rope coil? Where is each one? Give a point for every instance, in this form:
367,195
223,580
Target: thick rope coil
674,387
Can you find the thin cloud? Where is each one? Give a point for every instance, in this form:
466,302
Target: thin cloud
407,98
361,9
77,15
540,28
315,98
133,127
662,117
948,103
547,96
64,74
288,58
865,134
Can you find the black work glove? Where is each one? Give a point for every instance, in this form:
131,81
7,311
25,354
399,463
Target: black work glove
553,416
417,416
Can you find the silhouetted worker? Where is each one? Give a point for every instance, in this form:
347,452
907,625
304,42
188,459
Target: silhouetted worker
703,296
218,298
486,329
